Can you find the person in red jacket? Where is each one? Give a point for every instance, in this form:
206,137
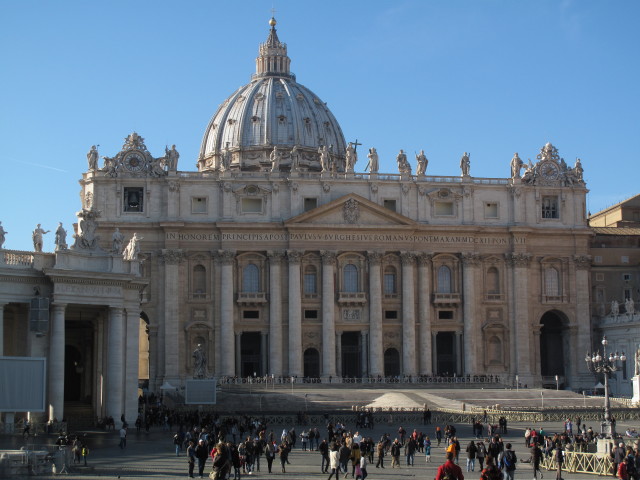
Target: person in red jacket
449,470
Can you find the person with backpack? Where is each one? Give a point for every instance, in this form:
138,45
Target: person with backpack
490,471
449,470
508,462
269,454
481,453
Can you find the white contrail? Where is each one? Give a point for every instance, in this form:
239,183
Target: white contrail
36,165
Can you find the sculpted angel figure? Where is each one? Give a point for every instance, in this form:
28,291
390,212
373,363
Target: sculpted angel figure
578,170
615,308
295,158
372,166
421,158
629,306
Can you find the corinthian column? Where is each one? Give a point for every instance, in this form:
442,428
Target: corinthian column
424,313
328,320
376,358
56,363
295,320
520,319
275,312
408,315
226,313
115,363
582,264
469,266
172,259
132,365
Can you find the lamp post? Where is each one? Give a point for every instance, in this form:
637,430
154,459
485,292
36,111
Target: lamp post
601,364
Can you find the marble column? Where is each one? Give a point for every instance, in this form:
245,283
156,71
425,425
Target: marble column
172,259
424,313
339,354
520,263
275,312
132,363
408,315
328,320
376,355
583,317
264,354
458,353
470,262
238,360
295,314
227,341
56,362
153,358
364,371
434,352
115,364
2,305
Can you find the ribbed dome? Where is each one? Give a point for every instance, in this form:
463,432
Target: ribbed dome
272,110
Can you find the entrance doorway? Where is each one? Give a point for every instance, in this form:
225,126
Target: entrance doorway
552,340
350,345
73,370
311,363
391,362
446,353
250,353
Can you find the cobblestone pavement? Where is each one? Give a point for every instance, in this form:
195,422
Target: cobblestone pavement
152,455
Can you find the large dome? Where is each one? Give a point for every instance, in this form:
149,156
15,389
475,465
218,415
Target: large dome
273,110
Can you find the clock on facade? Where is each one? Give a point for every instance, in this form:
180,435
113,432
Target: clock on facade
133,162
549,170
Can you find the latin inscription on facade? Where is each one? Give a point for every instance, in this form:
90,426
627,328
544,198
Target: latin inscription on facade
88,290
343,237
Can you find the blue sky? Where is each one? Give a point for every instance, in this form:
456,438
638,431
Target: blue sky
488,77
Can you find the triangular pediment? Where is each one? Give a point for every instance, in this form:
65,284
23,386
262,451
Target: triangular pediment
351,210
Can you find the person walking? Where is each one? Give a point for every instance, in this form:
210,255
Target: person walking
449,470
269,454
508,462
334,462
123,437
481,453
536,457
380,452
201,454
395,454
284,450
559,456
490,471
427,449
191,457
324,453
356,454
472,450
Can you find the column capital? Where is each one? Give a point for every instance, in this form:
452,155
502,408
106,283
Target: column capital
57,306
582,262
295,256
328,257
518,259
225,257
407,258
375,258
424,259
275,256
172,256
470,259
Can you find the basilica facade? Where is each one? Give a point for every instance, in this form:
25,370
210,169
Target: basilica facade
276,257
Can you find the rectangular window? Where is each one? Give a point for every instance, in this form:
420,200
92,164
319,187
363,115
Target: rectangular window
599,277
550,207
600,295
251,205
389,204
627,293
445,315
133,199
597,259
390,314
626,277
251,314
389,283
311,314
490,210
624,259
198,205
310,204
310,284
444,209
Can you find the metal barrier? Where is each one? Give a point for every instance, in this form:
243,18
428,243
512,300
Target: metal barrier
581,462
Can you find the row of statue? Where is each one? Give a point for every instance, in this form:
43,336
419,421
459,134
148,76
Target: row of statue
629,307
159,166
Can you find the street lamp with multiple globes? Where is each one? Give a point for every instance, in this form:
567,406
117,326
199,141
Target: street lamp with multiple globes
605,365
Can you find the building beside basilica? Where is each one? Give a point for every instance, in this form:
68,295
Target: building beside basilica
278,258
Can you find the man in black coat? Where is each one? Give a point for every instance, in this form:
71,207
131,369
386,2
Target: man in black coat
201,455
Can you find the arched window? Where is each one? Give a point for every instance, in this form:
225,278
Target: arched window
444,279
350,273
199,282
310,280
493,281
390,284
552,282
251,279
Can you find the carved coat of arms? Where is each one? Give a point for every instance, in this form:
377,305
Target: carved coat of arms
351,211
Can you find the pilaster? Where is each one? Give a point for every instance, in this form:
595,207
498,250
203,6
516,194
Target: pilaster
408,314
295,316
56,362
470,263
376,356
172,259
275,312
520,320
328,314
115,363
227,341
424,313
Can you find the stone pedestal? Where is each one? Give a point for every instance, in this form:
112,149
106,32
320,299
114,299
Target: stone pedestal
635,381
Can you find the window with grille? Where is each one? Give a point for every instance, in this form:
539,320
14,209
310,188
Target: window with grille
199,282
251,279
444,279
310,280
550,207
552,282
350,274
390,285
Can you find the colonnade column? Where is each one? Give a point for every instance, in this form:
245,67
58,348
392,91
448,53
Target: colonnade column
364,371
132,363
264,354
153,358
328,320
238,349
275,312
408,314
227,344
115,363
470,262
295,315
376,355
339,354
172,259
2,305
520,262
458,352
424,313
583,315
56,363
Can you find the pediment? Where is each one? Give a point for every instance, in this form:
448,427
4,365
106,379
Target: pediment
351,210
